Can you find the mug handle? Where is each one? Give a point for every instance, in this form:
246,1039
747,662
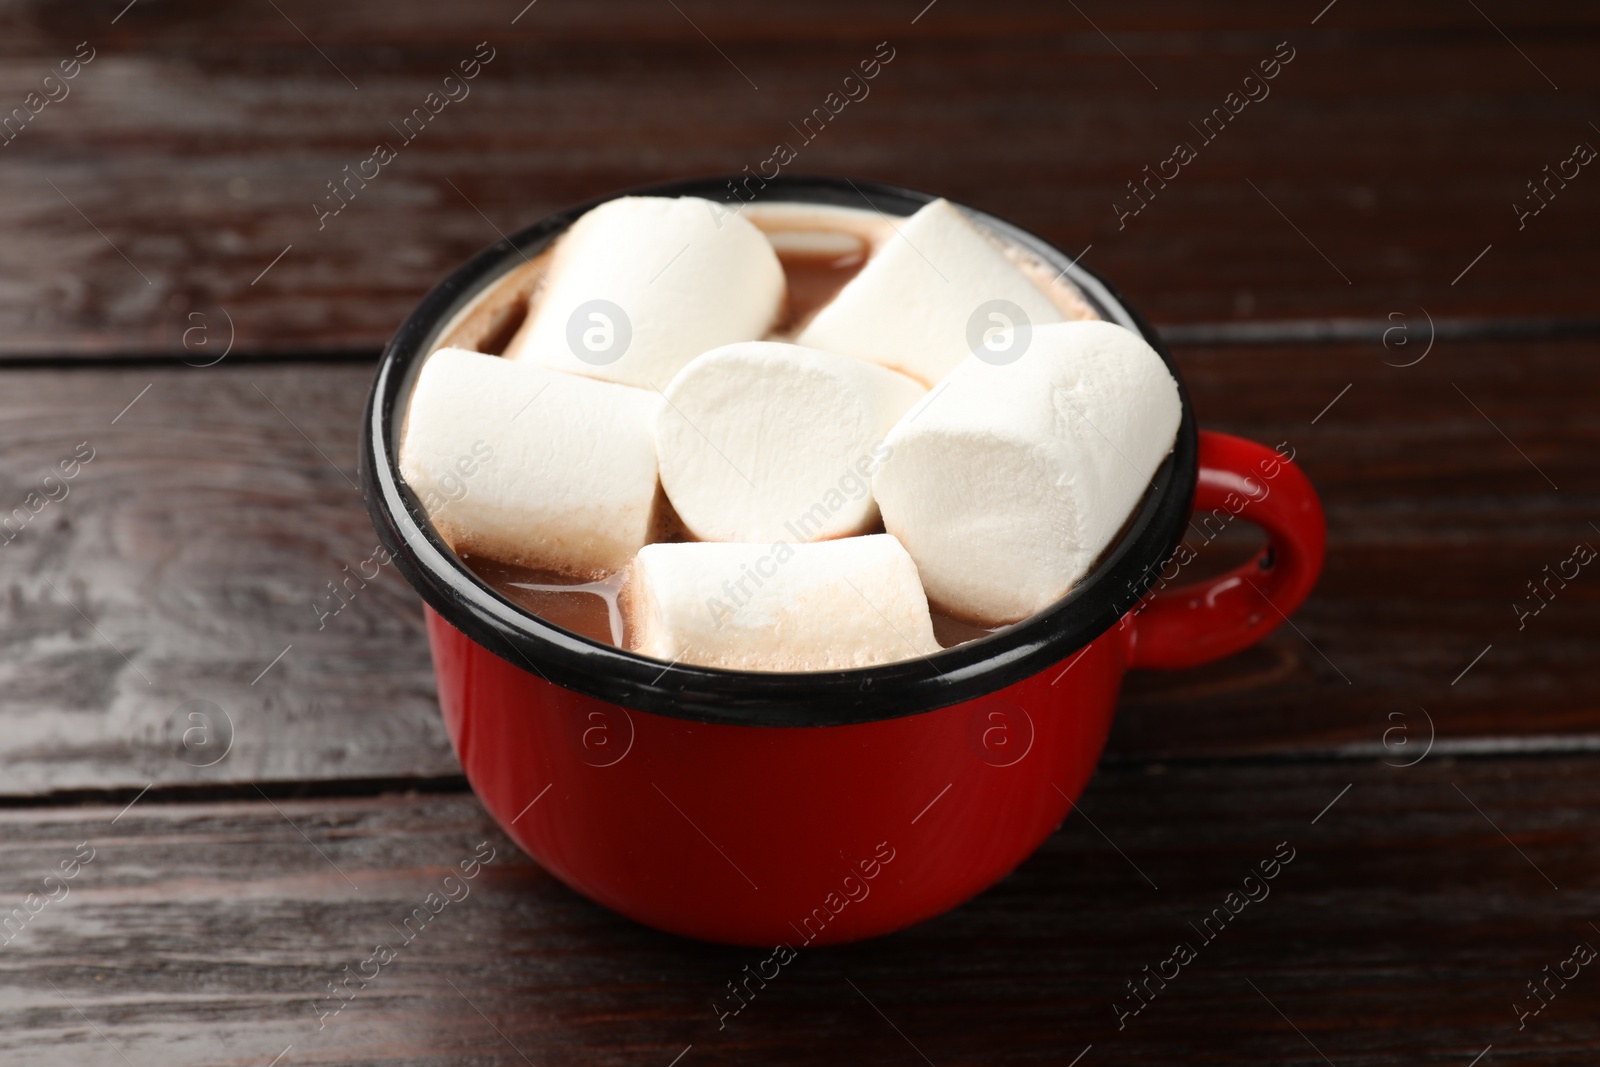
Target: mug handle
1205,621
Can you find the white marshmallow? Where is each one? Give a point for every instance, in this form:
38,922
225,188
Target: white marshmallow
1007,482
828,605
761,441
912,306
531,466
680,275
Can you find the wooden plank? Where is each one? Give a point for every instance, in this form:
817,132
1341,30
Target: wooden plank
200,540
1404,929
1439,481
188,156
184,559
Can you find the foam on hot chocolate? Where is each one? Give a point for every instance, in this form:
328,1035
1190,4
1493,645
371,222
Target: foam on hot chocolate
641,285
1008,482
761,441
828,605
531,466
912,306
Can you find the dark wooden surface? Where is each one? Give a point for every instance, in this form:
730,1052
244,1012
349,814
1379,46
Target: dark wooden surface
140,212
1401,932
195,548
200,540
201,134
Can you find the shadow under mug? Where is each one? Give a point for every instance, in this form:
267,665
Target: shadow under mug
760,808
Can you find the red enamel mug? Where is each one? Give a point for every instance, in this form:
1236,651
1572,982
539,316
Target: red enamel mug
759,808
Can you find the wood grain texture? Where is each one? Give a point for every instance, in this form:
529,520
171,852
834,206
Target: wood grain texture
1402,930
164,620
1440,485
189,153
189,553
200,540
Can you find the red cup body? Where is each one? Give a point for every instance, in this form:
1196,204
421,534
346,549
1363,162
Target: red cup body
756,835
811,835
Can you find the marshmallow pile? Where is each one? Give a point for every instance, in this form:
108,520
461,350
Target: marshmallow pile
942,431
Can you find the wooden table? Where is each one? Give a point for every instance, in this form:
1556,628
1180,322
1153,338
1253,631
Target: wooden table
1353,264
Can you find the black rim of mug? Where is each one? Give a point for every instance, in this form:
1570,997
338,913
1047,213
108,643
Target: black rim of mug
753,698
